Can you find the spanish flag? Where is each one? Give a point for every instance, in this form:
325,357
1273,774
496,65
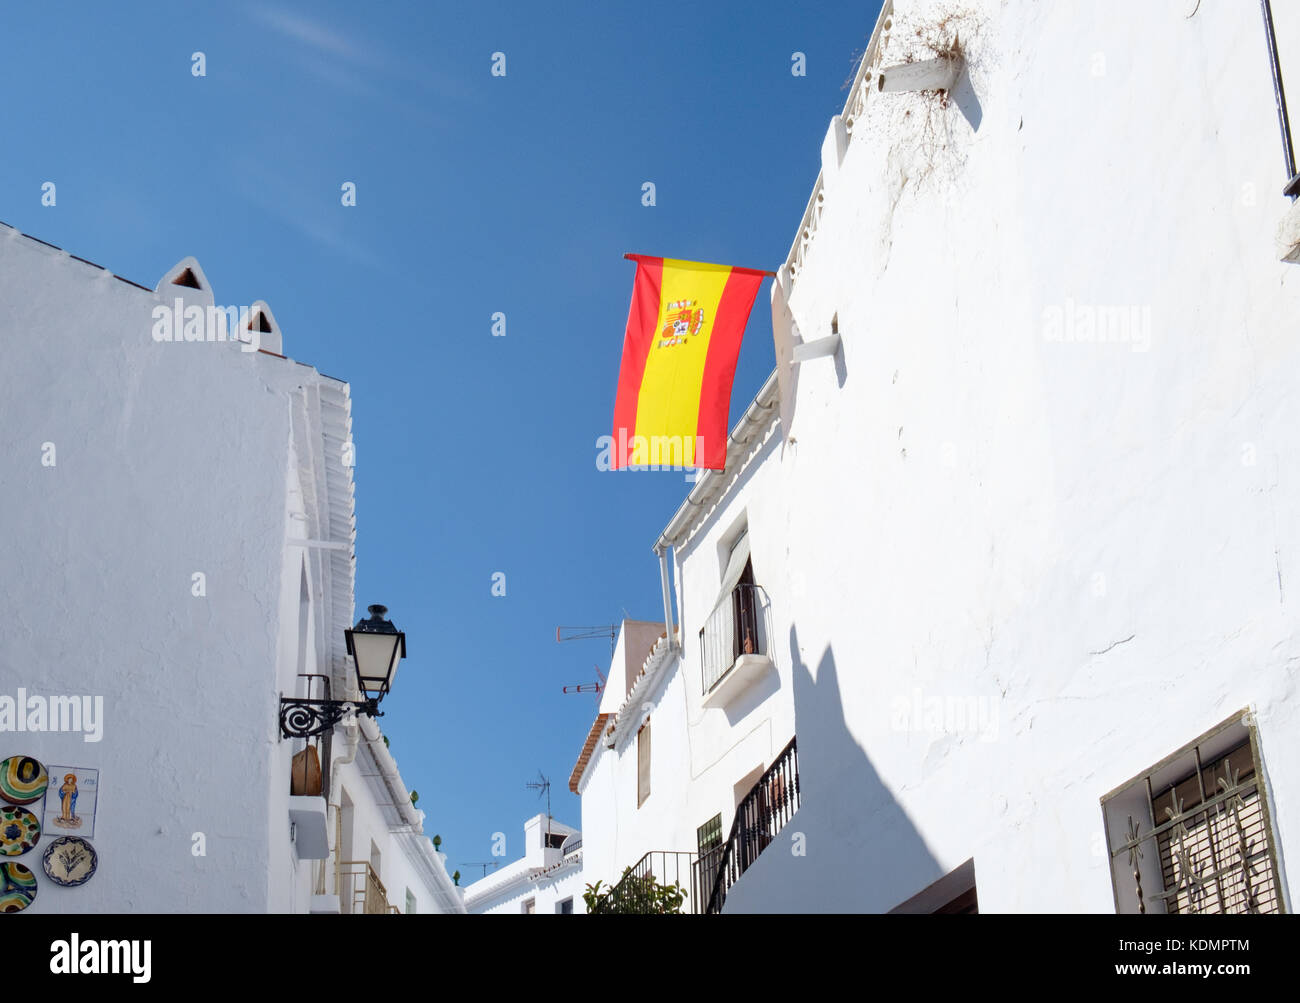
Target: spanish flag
679,359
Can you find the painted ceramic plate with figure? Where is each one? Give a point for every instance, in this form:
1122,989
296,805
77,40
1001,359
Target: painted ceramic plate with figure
17,887
70,861
22,779
20,830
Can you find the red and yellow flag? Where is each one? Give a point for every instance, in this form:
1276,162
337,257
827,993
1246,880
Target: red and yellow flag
679,359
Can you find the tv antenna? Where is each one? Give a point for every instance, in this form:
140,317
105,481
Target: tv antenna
595,687
609,630
563,634
485,864
542,785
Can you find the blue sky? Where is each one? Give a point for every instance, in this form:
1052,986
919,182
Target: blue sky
475,194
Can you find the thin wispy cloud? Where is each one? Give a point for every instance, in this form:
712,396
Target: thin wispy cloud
349,62
311,33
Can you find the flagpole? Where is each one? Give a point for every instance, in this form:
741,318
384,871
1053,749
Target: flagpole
757,271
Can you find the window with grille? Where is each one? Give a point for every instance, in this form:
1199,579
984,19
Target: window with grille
735,625
1193,834
643,764
711,843
709,835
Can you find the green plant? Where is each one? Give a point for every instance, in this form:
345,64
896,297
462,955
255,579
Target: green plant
638,894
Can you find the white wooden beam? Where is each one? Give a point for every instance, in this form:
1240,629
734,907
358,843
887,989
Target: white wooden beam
937,74
817,349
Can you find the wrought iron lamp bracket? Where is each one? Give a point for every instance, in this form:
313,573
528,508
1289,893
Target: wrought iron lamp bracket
309,718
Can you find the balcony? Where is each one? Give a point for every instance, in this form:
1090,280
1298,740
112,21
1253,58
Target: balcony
705,878
360,890
768,806
734,645
634,892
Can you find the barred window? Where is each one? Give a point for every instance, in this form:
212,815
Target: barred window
709,835
1193,834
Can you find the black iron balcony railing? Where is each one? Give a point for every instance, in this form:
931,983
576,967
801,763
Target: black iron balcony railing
768,806
641,889
732,630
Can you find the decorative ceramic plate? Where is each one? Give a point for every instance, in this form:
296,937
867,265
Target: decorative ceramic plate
70,861
19,831
22,780
17,887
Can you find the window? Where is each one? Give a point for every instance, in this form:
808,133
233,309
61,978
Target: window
565,906
554,840
410,903
1193,834
709,835
733,628
708,839
530,907
643,764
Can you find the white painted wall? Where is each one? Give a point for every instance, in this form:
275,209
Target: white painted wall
1100,540
171,459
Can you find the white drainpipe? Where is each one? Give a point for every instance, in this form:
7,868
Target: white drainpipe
354,737
662,551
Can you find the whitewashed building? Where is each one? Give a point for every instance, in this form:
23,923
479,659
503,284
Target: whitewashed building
546,880
1018,503
180,555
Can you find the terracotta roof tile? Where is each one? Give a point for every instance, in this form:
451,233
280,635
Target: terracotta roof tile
593,736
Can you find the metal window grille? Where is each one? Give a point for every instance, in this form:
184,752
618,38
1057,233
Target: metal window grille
709,839
732,630
709,834
1195,834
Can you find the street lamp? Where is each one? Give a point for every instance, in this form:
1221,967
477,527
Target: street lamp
376,646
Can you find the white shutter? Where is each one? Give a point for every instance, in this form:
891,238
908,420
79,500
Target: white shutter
735,568
643,764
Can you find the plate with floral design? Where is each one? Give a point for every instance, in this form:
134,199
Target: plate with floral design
20,830
70,861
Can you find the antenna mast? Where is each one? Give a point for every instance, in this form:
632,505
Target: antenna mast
543,786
